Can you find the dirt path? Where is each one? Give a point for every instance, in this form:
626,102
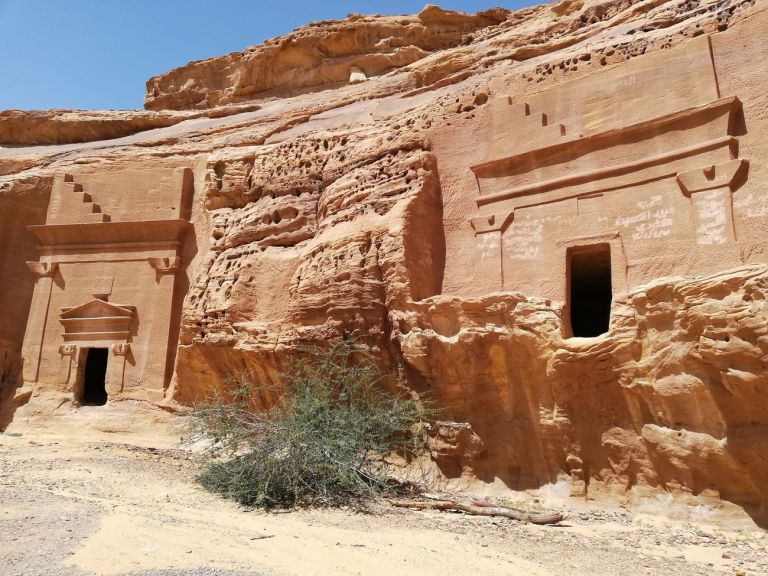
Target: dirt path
77,506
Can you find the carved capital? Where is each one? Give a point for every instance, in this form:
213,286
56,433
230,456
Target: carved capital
493,222
728,174
68,350
165,265
42,269
121,349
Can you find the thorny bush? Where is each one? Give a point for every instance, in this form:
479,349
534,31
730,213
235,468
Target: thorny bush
324,441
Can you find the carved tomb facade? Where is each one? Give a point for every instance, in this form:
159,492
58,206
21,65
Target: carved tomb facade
103,321
621,177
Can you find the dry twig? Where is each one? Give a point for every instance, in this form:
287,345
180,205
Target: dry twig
514,513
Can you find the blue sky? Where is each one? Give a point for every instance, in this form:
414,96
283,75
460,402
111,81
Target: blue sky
97,54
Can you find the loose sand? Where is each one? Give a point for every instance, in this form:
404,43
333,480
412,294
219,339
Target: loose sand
127,504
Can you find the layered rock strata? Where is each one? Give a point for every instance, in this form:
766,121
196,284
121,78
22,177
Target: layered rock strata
436,187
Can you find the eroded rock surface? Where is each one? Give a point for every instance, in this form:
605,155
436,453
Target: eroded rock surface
429,202
25,128
319,55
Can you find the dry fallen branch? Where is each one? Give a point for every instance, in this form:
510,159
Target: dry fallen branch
514,513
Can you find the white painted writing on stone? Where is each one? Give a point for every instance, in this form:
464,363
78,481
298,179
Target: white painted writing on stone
653,219
751,207
489,246
712,218
523,239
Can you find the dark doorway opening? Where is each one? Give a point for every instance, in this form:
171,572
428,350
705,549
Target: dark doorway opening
590,290
94,378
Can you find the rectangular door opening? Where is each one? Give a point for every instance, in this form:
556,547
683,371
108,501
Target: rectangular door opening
589,290
94,378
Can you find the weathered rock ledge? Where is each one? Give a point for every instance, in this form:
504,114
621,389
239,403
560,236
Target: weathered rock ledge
424,184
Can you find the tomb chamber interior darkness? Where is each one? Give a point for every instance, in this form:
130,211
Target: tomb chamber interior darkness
94,378
590,293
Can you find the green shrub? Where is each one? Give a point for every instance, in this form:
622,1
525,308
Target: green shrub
324,441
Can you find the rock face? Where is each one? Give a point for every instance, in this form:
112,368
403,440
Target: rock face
18,127
317,56
21,128
553,220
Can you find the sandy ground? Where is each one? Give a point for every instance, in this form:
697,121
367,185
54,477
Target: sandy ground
78,505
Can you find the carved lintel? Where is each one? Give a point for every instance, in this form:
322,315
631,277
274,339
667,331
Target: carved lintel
589,239
121,349
493,222
68,350
165,265
729,174
42,269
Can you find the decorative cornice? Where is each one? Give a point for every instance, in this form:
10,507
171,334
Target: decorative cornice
606,172
95,235
728,105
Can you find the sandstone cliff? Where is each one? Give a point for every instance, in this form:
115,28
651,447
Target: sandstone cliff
344,203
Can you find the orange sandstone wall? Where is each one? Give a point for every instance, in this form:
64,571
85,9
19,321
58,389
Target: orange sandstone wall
311,242
22,204
350,200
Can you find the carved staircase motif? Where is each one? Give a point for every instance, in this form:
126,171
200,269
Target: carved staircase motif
82,210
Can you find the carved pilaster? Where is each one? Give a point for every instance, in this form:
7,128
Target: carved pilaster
69,357
710,189
157,367
38,313
116,371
